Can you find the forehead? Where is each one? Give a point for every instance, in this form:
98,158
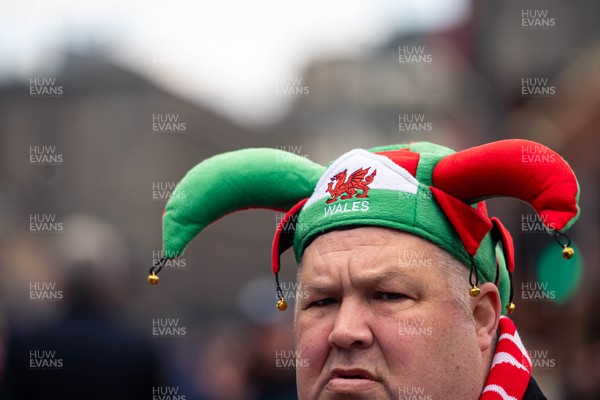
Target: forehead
370,248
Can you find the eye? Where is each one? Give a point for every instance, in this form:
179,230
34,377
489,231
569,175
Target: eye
389,296
322,302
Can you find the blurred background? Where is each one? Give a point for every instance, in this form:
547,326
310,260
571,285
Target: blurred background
105,105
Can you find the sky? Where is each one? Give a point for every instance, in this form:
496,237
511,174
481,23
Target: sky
227,55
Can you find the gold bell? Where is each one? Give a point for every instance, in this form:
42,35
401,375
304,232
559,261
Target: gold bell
510,307
474,292
568,252
281,304
153,279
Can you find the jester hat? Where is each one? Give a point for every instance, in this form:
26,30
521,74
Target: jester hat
422,188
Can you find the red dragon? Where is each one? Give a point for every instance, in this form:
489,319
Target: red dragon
357,180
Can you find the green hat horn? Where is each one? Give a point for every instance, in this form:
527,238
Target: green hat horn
228,182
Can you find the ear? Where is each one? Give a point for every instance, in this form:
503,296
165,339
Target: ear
486,309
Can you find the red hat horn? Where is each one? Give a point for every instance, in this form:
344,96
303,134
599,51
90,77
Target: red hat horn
517,168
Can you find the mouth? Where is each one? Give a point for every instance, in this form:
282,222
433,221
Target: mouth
351,380
351,374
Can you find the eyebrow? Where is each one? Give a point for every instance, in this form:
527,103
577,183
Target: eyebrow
321,286
317,287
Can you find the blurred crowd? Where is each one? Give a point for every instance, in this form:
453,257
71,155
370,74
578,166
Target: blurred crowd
75,341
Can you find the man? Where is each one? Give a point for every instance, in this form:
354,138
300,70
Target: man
405,274
379,323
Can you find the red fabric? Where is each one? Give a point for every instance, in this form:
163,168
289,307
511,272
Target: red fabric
510,168
482,207
468,222
507,244
282,242
511,368
409,160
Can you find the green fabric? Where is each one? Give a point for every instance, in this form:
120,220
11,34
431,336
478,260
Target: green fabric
431,154
389,147
504,282
572,220
271,178
561,277
228,182
418,214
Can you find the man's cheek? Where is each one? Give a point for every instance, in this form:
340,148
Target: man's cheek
314,341
406,341
312,348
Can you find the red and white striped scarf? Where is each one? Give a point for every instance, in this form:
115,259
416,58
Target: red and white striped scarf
511,366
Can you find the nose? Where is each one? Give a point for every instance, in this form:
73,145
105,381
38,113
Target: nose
351,327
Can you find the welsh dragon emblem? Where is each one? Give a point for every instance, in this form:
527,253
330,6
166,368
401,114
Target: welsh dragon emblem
357,180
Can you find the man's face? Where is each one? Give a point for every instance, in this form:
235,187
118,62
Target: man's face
377,320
